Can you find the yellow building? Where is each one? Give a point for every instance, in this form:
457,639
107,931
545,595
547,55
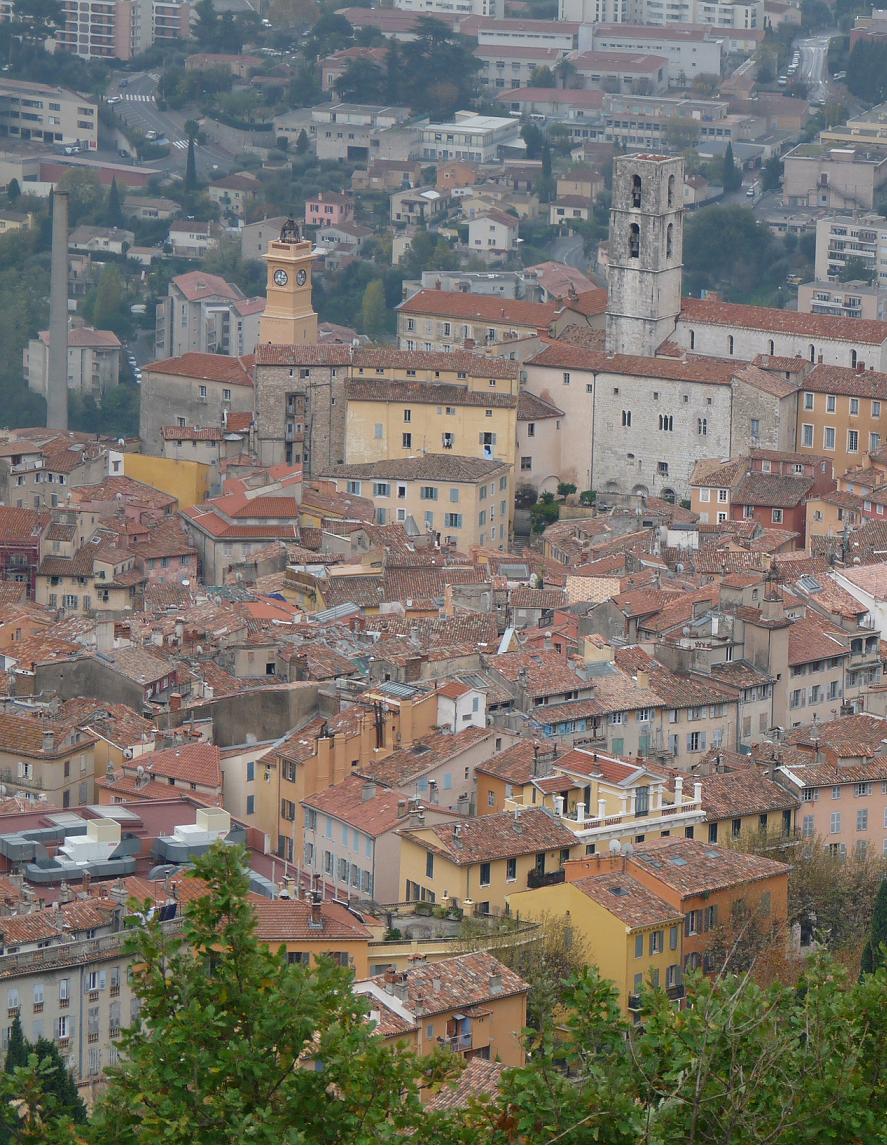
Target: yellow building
478,863
466,501
598,797
631,934
186,481
397,418
289,316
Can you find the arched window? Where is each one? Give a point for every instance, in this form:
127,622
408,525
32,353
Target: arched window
812,353
702,425
730,344
635,191
634,241
671,191
666,422
771,347
692,340
853,358
669,495
626,418
669,236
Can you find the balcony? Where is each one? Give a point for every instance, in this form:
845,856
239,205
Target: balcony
543,879
676,992
458,1043
634,1003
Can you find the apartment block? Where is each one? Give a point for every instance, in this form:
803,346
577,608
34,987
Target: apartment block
846,237
47,114
434,320
840,178
689,51
206,314
117,29
853,299
470,136
462,501
840,414
93,361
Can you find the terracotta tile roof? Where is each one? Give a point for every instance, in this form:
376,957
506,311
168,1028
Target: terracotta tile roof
522,597
494,837
139,664
196,764
864,332
283,921
564,354
459,982
627,899
810,774
387,358
533,408
745,793
846,380
856,735
196,285
784,490
480,1078
811,639
517,764
76,916
362,804
433,751
463,305
767,381
238,421
229,369
431,467
424,393
740,674
548,673
691,867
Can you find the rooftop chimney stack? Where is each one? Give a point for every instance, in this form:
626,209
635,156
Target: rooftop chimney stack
57,377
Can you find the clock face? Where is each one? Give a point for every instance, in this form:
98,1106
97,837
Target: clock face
281,278
301,277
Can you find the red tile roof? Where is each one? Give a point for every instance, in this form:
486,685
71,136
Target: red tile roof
196,764
863,332
565,354
224,368
486,308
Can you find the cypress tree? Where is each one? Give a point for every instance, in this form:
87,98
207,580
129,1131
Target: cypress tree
19,1049
872,953
115,209
191,167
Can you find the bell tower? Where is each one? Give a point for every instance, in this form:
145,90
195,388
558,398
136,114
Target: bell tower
289,317
645,253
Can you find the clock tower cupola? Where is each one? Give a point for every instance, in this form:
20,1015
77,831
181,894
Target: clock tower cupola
289,317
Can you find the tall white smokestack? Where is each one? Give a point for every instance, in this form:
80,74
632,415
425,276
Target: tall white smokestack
57,382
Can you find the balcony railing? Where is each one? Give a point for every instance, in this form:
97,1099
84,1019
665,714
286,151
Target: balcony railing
543,879
676,992
459,1042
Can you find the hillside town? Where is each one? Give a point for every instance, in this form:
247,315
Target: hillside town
468,507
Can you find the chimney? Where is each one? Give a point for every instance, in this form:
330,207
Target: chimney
369,791
643,679
401,809
175,702
57,378
315,919
495,985
49,734
518,827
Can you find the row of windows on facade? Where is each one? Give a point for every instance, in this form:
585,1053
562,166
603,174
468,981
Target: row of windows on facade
862,822
771,349
829,438
485,869
428,493
93,983
666,422
801,697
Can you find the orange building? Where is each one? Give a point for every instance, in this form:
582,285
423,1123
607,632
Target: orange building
711,887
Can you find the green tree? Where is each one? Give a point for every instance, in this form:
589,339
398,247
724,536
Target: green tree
302,142
191,167
543,77
362,82
873,953
731,178
115,208
856,269
867,70
106,308
373,312
772,173
17,1050
13,191
263,1023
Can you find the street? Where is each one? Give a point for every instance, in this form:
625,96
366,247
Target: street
138,109
813,68
569,249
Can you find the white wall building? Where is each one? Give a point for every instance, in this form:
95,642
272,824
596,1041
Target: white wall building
470,136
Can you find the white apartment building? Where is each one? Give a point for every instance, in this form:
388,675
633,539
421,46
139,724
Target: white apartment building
689,51
47,114
93,361
470,136
495,8
714,13
207,314
860,236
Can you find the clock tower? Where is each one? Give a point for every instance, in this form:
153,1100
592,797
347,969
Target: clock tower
289,317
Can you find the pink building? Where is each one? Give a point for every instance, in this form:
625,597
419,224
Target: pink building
328,209
843,794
